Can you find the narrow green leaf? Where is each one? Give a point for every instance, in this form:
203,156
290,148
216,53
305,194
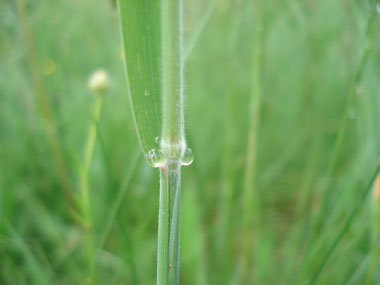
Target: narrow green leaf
355,211
141,37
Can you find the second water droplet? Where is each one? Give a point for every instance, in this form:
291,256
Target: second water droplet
188,157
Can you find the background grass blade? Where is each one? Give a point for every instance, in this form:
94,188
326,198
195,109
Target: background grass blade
193,39
346,227
251,205
333,162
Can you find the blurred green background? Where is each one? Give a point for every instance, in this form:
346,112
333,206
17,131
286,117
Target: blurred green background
313,58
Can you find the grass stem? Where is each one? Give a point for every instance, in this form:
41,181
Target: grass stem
173,177
346,226
84,183
250,203
173,143
44,106
163,232
333,163
198,30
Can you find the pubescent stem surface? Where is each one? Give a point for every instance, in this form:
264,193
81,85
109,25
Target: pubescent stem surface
173,142
169,223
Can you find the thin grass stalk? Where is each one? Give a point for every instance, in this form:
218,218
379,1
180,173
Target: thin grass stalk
324,206
222,249
113,216
251,209
173,177
355,211
116,205
84,184
163,232
169,224
129,251
106,159
199,29
333,163
303,212
173,143
44,106
88,152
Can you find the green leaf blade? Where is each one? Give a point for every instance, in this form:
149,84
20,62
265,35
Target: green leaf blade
140,27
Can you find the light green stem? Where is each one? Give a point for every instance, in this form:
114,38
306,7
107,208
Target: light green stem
341,233
173,177
84,185
169,224
173,143
251,209
333,163
163,231
88,151
44,108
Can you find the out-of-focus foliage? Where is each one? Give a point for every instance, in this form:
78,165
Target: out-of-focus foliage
310,53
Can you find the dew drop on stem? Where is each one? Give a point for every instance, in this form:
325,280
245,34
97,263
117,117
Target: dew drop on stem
155,158
188,157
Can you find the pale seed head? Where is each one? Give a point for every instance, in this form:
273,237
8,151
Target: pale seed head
99,81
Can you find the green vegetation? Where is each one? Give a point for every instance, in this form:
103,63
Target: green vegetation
152,35
282,111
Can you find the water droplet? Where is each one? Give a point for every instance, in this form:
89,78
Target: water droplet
378,7
157,140
188,157
146,93
155,158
